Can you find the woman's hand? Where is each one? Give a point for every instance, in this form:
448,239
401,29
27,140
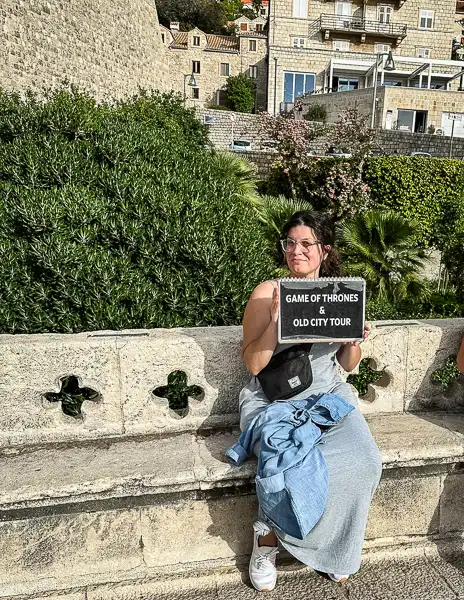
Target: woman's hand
275,304
349,353
367,331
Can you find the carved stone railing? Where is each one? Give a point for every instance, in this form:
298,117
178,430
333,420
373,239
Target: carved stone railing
167,381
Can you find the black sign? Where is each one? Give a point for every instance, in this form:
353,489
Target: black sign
320,310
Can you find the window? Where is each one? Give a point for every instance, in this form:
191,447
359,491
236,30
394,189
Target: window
345,84
297,84
196,66
196,40
341,45
253,71
252,45
196,93
298,42
243,26
259,28
382,48
426,18
263,12
423,52
225,69
300,9
384,14
163,38
343,8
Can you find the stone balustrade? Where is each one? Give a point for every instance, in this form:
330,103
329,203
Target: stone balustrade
107,481
125,368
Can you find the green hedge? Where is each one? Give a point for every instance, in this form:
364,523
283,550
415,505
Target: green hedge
114,216
428,191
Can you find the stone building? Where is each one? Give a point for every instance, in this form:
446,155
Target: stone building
327,46
109,47
246,25
212,59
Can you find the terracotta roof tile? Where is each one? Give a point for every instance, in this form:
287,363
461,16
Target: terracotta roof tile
180,39
222,42
213,42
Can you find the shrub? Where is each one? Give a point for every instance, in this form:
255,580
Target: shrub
115,216
427,191
316,112
379,246
240,93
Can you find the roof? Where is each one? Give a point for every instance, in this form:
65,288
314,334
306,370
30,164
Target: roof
213,42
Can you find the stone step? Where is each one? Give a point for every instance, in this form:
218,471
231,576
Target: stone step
433,572
75,515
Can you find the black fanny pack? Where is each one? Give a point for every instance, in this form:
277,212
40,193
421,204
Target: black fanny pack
287,374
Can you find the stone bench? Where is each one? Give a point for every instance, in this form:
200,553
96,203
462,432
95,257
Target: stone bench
130,491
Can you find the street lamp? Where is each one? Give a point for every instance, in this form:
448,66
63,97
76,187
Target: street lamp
388,66
191,83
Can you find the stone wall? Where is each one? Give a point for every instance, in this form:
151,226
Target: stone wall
227,125
110,47
402,142
245,126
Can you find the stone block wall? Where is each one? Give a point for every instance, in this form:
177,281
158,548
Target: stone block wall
110,47
228,125
246,126
402,142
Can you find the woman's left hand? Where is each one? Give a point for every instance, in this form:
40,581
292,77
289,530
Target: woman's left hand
367,331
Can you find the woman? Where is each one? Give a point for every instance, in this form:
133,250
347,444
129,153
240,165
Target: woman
353,460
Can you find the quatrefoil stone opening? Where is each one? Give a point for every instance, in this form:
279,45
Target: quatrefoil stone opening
72,396
177,393
366,376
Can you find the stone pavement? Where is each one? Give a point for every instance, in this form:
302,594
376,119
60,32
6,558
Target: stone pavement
425,577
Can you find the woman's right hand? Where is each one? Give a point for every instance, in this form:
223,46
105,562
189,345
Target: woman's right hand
275,304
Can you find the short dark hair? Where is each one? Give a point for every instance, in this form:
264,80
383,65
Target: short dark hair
324,230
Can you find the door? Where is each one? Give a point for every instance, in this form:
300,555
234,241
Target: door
343,9
420,121
384,18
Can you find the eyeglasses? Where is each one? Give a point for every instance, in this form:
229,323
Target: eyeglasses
289,245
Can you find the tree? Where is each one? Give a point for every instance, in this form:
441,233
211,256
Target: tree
379,246
293,138
232,8
240,93
345,185
207,15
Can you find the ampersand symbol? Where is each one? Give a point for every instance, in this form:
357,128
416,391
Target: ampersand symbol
322,311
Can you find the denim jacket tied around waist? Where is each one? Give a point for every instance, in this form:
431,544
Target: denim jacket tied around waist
292,478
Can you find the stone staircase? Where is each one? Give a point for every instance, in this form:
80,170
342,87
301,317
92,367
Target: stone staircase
133,498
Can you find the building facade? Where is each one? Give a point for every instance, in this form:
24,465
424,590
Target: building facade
211,59
327,46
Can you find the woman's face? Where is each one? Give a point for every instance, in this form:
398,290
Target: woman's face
304,252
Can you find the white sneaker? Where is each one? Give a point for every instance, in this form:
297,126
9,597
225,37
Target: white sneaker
337,577
263,572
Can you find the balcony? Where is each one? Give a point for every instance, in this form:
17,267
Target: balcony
358,25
